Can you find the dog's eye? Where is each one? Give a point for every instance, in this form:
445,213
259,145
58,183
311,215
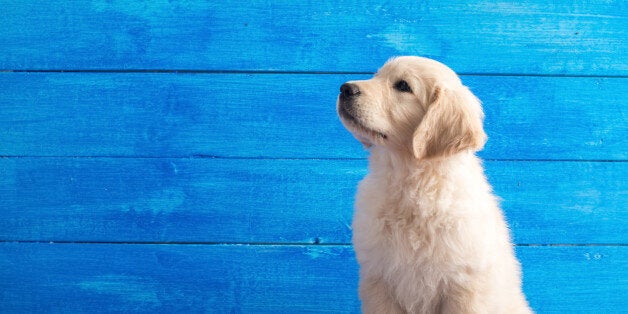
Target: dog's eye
402,86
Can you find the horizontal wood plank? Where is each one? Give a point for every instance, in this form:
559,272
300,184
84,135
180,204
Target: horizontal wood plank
262,201
82,278
185,156
523,37
285,116
176,279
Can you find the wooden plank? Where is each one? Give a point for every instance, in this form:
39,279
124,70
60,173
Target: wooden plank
176,279
563,202
523,37
183,200
262,201
285,116
585,279
81,278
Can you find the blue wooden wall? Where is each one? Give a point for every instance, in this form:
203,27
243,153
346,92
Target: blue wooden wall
185,156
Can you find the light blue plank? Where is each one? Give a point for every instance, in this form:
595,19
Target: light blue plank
297,201
285,116
525,37
81,278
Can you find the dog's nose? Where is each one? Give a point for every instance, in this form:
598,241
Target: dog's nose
349,90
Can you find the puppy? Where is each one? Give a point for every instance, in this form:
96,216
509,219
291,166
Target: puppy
427,230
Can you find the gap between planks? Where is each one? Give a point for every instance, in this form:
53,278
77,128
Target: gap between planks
196,156
261,72
315,242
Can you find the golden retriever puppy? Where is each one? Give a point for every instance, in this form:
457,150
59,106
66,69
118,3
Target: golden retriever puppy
427,230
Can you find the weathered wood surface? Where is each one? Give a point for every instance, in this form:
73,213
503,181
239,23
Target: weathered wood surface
280,201
521,37
192,161
285,116
88,278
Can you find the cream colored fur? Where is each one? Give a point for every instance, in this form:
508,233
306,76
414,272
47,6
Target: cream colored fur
428,232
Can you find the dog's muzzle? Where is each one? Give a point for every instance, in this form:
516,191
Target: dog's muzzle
348,93
348,111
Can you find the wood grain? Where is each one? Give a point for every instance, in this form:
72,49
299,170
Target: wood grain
280,201
185,156
523,37
285,116
88,278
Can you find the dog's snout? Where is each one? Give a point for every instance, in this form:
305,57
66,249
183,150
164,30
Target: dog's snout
349,90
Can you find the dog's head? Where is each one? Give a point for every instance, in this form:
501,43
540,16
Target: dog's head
413,105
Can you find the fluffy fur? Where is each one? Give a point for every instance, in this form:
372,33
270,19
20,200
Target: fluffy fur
428,232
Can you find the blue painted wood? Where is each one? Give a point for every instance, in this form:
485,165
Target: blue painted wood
552,77
80,278
524,37
280,201
286,116
567,279
84,278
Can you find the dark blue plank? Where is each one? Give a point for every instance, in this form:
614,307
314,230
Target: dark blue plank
285,116
563,202
586,279
264,279
71,278
529,37
185,200
298,201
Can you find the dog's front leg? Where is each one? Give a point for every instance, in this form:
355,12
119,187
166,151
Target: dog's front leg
462,300
377,297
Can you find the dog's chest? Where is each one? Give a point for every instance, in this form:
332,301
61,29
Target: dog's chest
396,217
403,216
396,240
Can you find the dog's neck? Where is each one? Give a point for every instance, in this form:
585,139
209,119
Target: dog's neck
402,179
404,167
404,162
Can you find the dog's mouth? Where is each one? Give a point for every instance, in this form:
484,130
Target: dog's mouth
356,125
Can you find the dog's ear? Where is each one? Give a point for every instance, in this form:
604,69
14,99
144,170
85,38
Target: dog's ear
452,123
